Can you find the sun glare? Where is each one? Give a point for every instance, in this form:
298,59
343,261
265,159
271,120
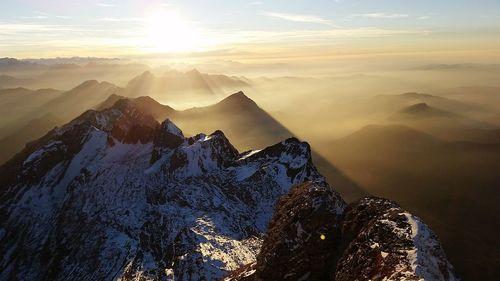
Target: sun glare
169,32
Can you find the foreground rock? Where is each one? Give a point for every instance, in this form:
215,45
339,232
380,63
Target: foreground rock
384,242
375,240
302,236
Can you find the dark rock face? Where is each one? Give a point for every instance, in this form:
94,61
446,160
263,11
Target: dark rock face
133,125
302,236
373,239
167,136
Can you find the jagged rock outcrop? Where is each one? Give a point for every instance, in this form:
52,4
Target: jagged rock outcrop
167,137
371,239
114,195
302,236
384,242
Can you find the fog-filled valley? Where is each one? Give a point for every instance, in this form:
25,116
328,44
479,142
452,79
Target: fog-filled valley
425,135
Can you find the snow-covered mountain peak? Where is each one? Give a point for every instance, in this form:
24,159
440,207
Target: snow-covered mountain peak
171,128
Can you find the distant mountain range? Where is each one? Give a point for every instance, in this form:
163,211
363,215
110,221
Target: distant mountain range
19,102
164,87
392,103
22,105
7,81
177,88
423,110
26,106
445,124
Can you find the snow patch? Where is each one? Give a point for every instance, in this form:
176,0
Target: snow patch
172,128
50,147
248,154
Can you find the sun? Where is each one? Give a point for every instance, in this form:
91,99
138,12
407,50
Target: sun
170,32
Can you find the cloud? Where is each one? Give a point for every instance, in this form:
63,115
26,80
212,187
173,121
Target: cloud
44,15
106,5
35,17
464,66
121,19
299,18
308,36
380,16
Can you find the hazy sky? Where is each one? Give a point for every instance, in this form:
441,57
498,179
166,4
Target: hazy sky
36,28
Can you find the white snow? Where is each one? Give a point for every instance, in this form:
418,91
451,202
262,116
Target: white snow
425,257
250,153
245,172
172,128
52,146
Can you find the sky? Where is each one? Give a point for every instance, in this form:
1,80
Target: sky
265,29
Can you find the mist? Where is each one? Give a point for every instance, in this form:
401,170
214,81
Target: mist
424,134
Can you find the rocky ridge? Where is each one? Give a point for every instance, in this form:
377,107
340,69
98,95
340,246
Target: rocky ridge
116,195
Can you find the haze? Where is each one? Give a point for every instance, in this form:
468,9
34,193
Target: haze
399,99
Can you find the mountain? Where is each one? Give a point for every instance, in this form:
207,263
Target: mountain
115,195
11,61
64,73
36,128
240,117
146,104
383,106
354,113
7,81
177,88
17,102
82,97
72,103
398,101
12,64
422,110
27,106
71,60
445,124
390,136
451,185
314,236
21,68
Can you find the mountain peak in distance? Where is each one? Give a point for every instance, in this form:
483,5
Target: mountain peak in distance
238,99
422,110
